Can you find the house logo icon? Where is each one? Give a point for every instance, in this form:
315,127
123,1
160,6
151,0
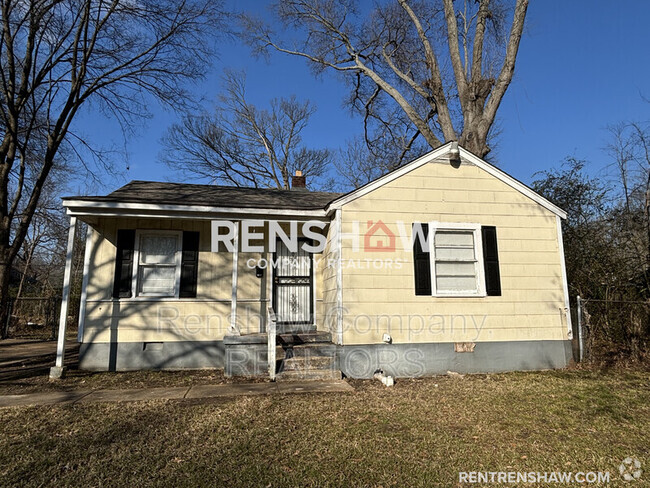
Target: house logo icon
378,238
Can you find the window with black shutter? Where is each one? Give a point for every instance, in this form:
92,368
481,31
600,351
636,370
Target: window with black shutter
189,265
421,259
447,259
158,263
491,261
123,279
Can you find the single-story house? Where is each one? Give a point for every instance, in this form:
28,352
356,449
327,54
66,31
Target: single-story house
445,264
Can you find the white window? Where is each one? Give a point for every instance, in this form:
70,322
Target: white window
456,259
158,263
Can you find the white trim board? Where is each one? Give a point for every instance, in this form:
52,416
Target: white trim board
135,276
84,283
234,278
435,154
479,267
90,207
565,283
339,276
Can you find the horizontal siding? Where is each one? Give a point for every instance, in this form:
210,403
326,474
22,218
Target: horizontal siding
136,320
525,332
532,301
214,268
141,320
327,317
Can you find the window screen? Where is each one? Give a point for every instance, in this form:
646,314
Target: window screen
157,263
455,267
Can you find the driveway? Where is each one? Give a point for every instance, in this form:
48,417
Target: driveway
24,358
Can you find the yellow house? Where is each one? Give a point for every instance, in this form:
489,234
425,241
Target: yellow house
445,264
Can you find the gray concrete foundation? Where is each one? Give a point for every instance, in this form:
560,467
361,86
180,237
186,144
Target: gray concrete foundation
246,355
412,360
129,356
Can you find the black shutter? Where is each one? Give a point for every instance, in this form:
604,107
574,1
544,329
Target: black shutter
491,260
422,263
124,264
189,264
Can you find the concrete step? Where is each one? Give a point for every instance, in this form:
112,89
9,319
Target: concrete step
307,363
304,338
312,374
306,350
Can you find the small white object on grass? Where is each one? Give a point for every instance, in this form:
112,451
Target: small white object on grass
386,380
453,374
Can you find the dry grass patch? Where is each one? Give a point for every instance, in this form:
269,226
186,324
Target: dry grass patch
419,433
87,380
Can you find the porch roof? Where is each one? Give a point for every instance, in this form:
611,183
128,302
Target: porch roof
219,196
183,198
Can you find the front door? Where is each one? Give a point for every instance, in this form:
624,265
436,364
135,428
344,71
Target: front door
293,288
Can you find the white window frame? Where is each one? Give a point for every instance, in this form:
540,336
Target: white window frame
478,255
177,262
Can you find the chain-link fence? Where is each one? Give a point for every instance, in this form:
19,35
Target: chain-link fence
38,317
612,329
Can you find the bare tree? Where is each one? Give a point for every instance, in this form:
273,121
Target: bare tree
359,163
446,68
242,145
45,241
629,149
61,55
607,239
591,266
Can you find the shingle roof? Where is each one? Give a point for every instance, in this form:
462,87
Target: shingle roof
214,196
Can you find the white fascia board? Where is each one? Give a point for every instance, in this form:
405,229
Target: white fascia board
435,154
118,209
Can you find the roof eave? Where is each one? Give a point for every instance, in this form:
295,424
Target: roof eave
434,154
125,209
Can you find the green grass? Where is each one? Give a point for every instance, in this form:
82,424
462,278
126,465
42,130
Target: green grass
419,433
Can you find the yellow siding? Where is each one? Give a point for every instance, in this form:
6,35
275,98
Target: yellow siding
327,285
128,320
205,318
375,301
378,301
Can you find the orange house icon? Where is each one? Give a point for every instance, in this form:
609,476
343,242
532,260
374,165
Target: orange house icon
380,245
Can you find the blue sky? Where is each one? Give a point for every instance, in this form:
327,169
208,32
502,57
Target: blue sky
582,65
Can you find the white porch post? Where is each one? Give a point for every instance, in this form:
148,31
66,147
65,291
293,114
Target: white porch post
56,371
233,302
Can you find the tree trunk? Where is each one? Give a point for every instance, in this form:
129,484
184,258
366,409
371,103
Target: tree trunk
5,273
23,275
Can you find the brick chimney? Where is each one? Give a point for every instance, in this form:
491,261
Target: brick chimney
298,181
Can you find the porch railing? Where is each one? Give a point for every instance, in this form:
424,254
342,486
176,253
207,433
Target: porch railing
271,331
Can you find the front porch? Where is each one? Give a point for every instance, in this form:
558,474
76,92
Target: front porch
299,355
211,312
